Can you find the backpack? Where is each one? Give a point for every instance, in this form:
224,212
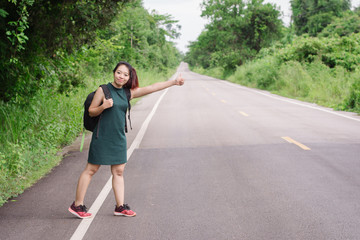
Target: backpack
91,122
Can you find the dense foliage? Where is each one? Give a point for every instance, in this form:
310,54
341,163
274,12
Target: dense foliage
63,52
344,26
236,32
322,70
139,37
333,52
34,35
312,16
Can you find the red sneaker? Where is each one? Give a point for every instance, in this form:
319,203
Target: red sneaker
124,210
79,211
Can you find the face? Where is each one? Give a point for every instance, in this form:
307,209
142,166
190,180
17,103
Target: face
121,76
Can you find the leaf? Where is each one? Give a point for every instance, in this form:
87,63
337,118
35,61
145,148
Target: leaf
3,13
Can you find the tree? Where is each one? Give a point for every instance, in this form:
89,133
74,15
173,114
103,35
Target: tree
345,26
312,16
31,32
263,24
141,38
236,32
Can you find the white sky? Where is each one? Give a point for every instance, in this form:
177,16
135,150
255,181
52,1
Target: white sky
188,13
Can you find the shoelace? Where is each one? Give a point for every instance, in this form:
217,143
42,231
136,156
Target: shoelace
127,207
83,208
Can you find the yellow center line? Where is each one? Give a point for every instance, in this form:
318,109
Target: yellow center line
290,140
245,114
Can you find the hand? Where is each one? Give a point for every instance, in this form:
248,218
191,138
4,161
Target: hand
107,103
179,80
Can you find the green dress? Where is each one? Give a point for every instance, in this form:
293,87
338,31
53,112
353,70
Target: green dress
108,145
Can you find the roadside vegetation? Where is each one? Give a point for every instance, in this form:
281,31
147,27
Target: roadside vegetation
53,54
315,59
49,65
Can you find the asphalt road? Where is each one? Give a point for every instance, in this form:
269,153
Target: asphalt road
217,161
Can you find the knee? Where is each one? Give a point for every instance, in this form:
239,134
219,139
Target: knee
91,170
117,171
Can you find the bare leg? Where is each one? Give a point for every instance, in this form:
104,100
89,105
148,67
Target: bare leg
118,183
84,181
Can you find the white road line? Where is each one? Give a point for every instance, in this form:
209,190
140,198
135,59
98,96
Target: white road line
289,101
85,223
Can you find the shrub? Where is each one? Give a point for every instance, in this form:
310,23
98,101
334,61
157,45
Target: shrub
353,100
295,80
260,73
333,51
344,26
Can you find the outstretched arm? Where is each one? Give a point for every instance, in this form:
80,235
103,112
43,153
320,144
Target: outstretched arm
139,92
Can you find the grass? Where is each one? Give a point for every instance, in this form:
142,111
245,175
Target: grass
213,72
315,83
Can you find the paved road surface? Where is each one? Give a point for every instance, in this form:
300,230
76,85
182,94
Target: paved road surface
217,161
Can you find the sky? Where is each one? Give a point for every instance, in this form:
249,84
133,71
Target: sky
188,13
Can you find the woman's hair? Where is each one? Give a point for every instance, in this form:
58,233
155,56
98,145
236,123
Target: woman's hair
133,80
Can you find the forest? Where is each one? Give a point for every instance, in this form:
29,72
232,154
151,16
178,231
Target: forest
316,58
53,53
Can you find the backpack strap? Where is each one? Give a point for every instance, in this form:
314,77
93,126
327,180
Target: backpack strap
107,94
106,91
128,96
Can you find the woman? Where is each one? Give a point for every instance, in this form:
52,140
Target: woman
108,147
